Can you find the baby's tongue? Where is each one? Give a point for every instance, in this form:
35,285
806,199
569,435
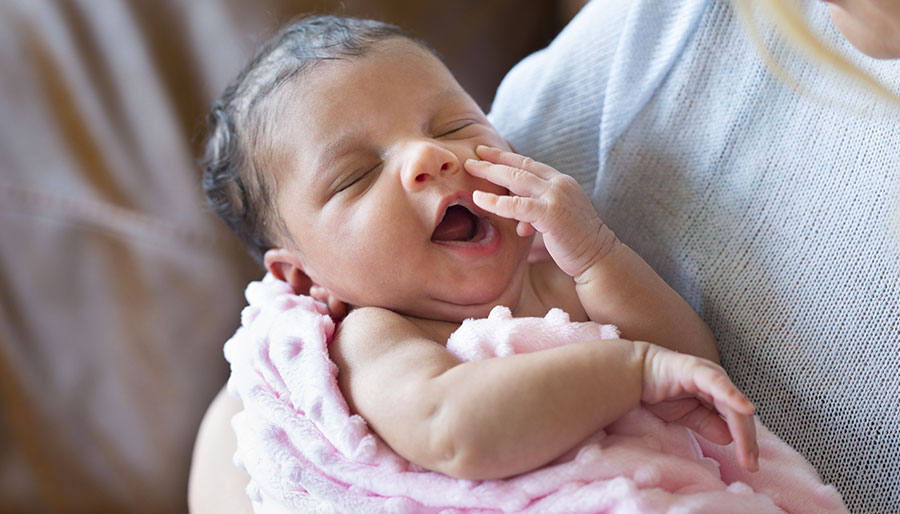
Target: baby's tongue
458,225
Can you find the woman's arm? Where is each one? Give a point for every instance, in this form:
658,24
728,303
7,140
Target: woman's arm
216,485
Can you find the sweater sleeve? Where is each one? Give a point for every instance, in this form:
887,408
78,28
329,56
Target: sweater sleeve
566,104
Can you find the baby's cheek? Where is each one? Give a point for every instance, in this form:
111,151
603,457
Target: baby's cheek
489,187
503,145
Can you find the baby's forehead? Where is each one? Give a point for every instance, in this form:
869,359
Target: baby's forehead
390,56
404,77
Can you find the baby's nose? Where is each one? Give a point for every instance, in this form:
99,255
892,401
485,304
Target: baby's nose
426,162
421,177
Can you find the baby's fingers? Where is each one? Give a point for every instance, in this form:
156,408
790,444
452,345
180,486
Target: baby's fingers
696,416
743,432
715,387
526,210
738,413
515,160
517,180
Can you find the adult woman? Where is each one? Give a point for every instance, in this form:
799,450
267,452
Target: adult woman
765,202
766,195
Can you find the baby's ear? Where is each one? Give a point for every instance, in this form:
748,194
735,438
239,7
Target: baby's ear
285,265
336,308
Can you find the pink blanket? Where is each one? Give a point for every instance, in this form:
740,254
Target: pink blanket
305,452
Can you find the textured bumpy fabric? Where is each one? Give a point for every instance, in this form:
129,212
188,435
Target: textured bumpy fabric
771,206
306,452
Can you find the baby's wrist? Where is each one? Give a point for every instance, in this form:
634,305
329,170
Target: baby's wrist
641,350
606,245
636,362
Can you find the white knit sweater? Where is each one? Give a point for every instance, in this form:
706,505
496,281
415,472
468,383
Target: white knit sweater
773,209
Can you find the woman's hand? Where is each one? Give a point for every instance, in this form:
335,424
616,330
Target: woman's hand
545,200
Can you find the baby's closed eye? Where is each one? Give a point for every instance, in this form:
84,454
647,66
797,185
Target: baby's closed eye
456,129
360,177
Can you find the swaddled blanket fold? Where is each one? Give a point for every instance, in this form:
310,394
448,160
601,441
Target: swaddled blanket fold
306,452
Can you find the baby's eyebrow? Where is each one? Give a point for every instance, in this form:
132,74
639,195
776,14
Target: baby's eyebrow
337,148
449,93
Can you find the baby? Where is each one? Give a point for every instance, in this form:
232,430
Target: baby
353,165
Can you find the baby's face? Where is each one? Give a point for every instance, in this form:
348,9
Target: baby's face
375,195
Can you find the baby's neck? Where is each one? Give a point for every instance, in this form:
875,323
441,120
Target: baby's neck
545,287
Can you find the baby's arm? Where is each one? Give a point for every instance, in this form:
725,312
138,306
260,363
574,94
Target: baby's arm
614,284
499,417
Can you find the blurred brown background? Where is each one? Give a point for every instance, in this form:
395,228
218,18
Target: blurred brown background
117,286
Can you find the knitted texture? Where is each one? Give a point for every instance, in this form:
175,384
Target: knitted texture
771,207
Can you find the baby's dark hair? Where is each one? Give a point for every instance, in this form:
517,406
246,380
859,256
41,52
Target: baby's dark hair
241,126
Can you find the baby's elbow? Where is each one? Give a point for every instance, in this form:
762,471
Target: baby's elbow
460,464
456,449
457,462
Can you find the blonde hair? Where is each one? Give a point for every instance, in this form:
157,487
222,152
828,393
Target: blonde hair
789,22
794,29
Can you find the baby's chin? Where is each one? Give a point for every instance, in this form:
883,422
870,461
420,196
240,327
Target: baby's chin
476,304
452,313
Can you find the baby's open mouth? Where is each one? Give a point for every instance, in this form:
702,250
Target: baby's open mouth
459,224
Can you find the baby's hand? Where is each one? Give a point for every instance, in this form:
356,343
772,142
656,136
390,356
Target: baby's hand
545,200
684,389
